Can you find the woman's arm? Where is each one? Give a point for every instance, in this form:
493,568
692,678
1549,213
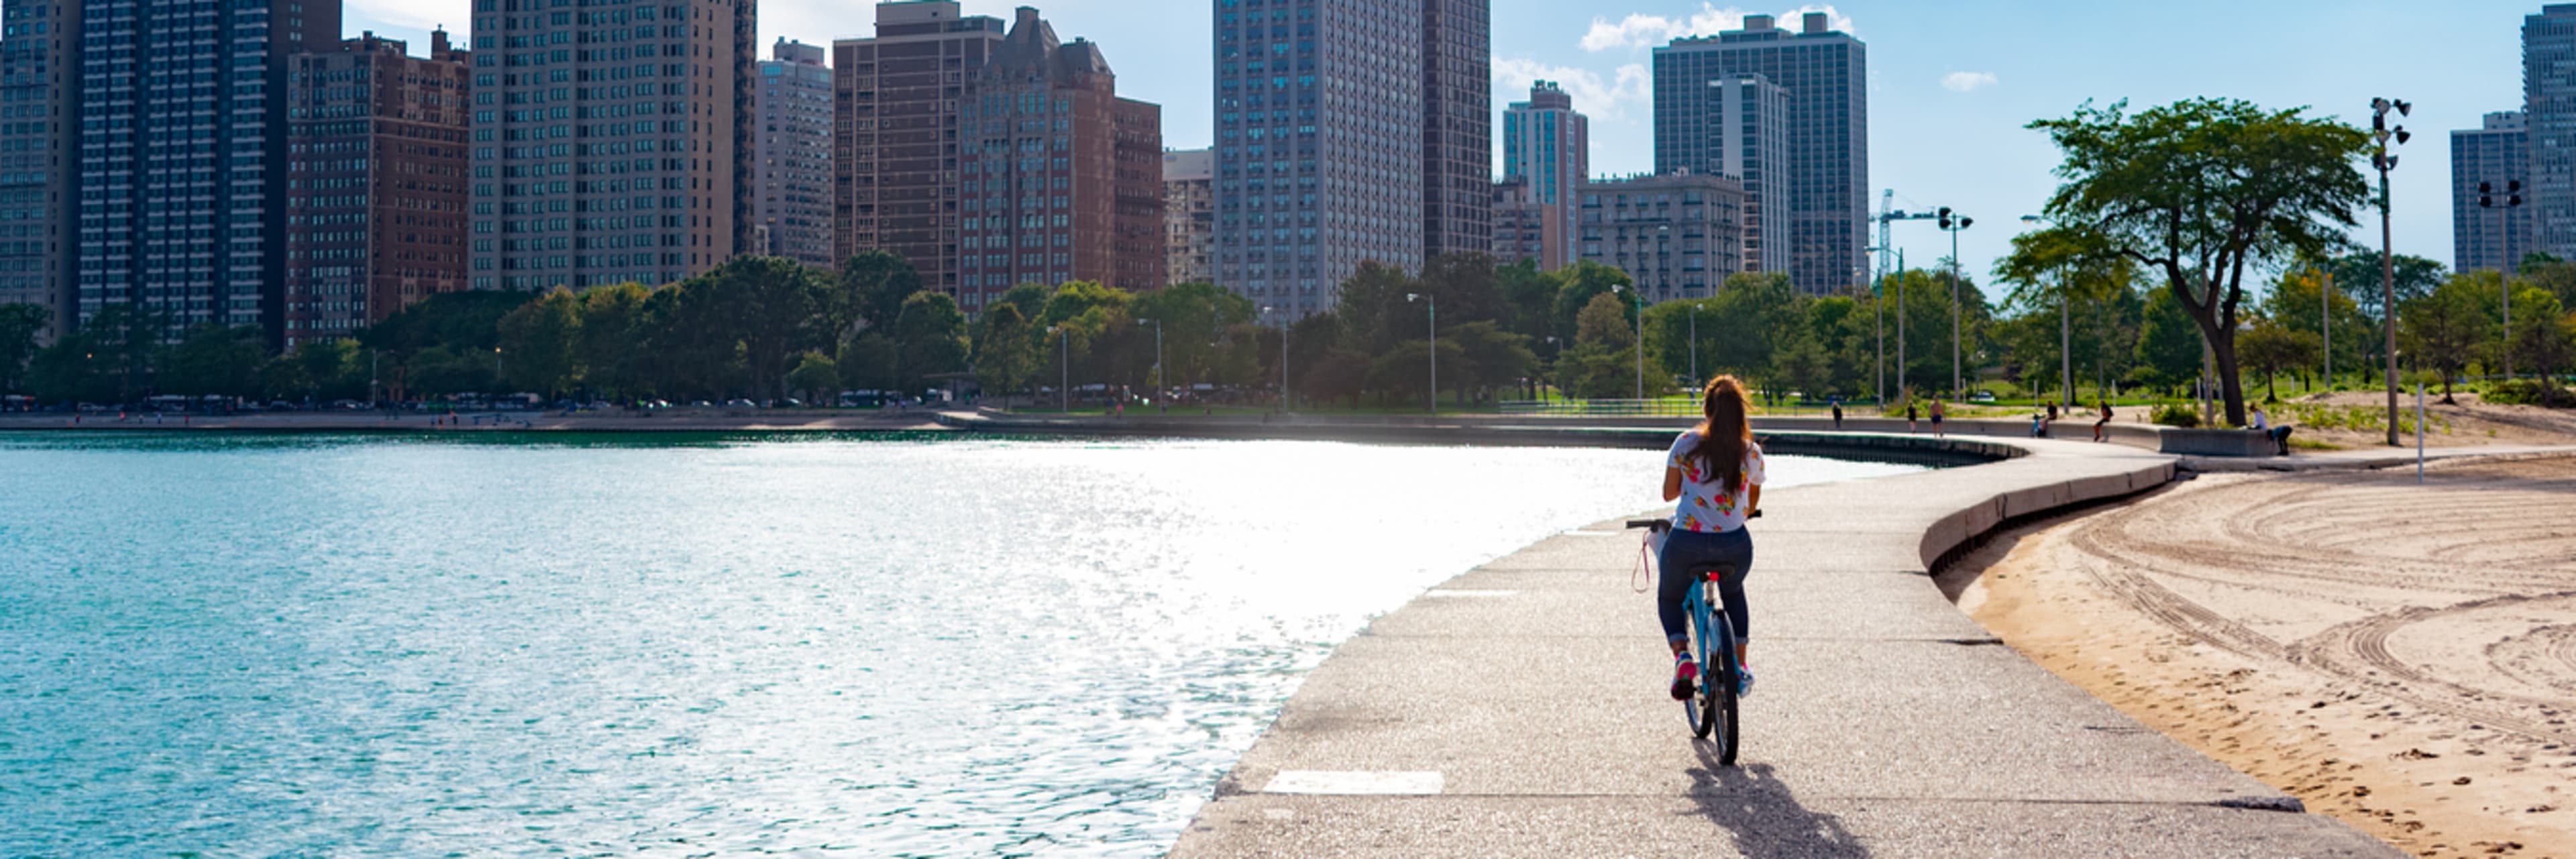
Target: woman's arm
1672,483
1752,500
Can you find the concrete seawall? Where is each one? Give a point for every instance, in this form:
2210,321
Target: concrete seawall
1518,709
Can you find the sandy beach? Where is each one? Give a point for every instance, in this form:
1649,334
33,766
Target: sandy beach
2401,657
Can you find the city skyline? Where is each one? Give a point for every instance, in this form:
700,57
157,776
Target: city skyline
1932,68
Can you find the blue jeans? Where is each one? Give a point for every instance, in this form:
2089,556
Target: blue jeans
1687,557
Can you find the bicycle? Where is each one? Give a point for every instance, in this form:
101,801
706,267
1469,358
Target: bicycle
1712,709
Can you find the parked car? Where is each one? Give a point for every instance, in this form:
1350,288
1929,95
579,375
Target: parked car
739,403
1982,396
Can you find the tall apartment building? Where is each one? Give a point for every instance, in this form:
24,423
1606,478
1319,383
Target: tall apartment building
1826,74
1458,126
1061,179
791,203
2499,153
1319,145
1546,145
896,136
1189,215
612,143
1678,235
39,121
182,157
377,183
1521,224
1749,116
2549,110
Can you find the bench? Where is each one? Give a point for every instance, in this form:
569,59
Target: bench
2217,442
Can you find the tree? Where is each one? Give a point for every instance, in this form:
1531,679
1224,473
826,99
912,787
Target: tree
214,360
2201,190
2272,347
1577,286
2357,274
818,376
868,362
612,323
2294,302
458,322
76,368
2168,350
540,343
1003,355
929,338
1194,316
1604,350
20,324
2053,272
870,291
770,306
1489,358
2547,341
1404,372
1337,374
2450,327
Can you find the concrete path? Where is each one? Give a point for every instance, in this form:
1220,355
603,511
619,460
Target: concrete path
1519,710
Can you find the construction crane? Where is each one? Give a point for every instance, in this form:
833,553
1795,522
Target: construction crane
1887,217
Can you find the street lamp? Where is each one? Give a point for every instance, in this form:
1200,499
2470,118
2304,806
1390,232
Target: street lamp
1064,364
1955,224
1556,372
2380,133
2504,235
1431,303
2065,322
1640,295
1694,328
1283,357
1160,377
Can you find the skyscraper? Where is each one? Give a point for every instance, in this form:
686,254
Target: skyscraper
1826,74
1749,116
1521,223
39,121
611,143
182,157
1189,215
1061,179
1547,145
792,154
1458,126
896,138
377,187
2498,154
1319,145
2549,109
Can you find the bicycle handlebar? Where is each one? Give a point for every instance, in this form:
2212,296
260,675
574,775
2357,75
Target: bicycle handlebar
1660,525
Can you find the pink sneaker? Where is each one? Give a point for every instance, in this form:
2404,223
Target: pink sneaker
1685,677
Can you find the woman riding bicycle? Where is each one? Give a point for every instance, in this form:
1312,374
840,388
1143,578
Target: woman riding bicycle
1715,472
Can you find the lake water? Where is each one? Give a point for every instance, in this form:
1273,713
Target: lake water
885,646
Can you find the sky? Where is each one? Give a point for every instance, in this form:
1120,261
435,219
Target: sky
1952,84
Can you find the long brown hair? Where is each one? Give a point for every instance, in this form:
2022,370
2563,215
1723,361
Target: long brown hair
1724,432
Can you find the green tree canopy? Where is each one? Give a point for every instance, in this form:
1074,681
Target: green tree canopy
2202,190
20,326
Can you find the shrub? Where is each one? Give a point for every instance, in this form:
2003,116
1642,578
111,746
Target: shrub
2177,416
2529,392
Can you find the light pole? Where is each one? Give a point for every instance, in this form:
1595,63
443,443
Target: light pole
1064,365
1556,373
2380,133
1640,296
497,374
1283,357
2504,235
1431,303
1878,303
1694,317
2065,321
1954,224
1159,375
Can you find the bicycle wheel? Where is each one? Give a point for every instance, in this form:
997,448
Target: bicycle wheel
1696,709
1720,695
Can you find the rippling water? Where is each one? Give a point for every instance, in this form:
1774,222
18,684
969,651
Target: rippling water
893,647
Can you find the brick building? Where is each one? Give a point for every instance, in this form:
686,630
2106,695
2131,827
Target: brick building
1061,179
378,188
896,141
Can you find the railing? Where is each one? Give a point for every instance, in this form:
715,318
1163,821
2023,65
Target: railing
1669,407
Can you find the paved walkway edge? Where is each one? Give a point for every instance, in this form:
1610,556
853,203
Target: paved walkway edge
1890,730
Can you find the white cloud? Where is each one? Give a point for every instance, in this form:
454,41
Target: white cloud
1640,30
1592,95
1968,81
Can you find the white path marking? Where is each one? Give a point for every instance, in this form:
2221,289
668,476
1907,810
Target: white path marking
1462,593
1355,783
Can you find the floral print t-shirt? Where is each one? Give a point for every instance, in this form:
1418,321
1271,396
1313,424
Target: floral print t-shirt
1705,505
